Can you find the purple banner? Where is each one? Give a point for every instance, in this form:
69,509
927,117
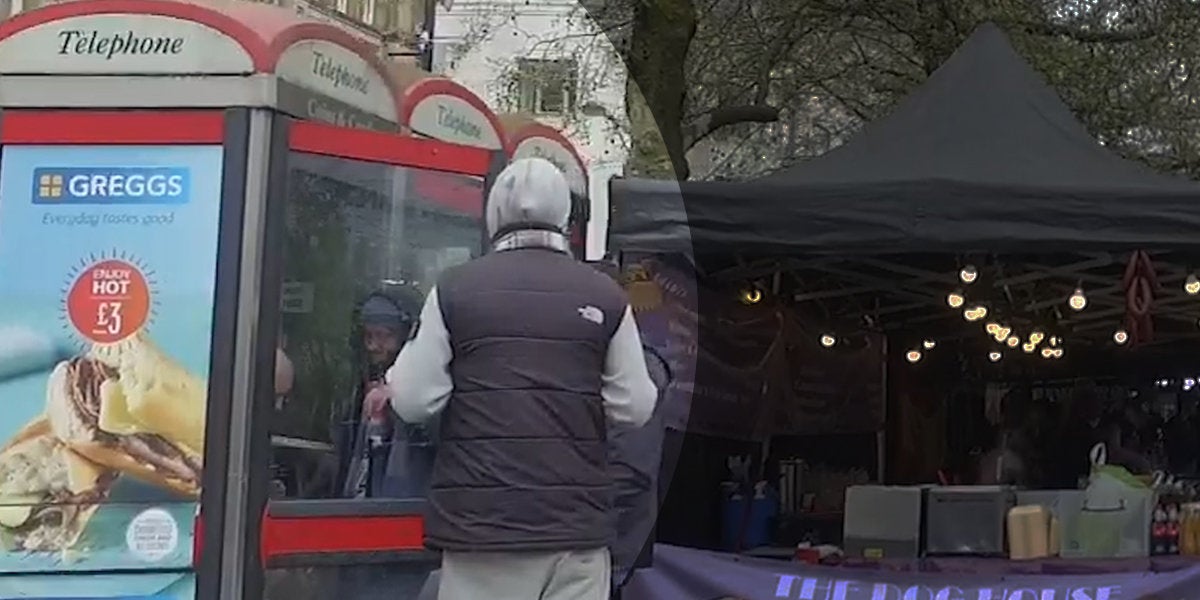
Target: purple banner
686,574
663,297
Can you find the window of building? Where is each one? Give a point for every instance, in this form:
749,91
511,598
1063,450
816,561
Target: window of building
398,17
362,11
357,11
546,87
387,16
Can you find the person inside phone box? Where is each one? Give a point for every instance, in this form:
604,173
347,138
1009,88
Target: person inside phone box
380,455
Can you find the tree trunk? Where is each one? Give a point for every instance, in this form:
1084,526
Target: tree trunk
656,88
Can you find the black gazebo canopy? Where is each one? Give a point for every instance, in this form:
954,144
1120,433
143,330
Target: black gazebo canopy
983,157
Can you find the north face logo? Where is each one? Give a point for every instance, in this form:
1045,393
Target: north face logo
593,314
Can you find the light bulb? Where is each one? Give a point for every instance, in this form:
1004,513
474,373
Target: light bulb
975,314
955,300
992,328
828,341
1047,352
1058,353
1029,348
1036,337
929,344
1077,301
1121,337
995,356
1013,341
913,356
1192,285
1054,341
1002,334
968,274
751,296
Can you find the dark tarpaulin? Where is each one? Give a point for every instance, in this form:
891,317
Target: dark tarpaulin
983,156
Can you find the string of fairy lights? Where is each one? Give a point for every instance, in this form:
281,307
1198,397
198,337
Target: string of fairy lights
1037,342
1005,336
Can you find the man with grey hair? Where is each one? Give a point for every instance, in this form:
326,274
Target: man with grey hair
525,356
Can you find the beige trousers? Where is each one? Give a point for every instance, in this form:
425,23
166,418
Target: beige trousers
576,575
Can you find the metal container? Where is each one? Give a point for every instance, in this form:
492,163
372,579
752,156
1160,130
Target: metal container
883,521
791,486
967,520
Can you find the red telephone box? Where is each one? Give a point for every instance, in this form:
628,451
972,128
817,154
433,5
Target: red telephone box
173,213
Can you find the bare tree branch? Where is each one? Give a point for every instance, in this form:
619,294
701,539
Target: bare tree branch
1085,36
811,71
714,120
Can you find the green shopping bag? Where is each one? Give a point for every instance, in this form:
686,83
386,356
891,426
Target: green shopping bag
1117,512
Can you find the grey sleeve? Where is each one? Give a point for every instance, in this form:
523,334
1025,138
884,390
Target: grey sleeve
628,392
420,378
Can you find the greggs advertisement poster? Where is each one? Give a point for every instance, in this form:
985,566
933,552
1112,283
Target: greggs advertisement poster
107,267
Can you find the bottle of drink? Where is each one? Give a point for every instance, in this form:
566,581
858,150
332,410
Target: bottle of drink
1158,533
377,434
1190,544
1173,530
1185,532
377,430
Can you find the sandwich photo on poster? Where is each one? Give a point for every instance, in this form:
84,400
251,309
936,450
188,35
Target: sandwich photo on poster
107,268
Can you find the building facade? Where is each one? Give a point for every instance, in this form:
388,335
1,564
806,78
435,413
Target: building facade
548,59
396,27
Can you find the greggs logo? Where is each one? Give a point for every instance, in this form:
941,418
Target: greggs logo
111,185
49,186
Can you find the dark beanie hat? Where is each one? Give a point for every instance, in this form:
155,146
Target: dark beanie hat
378,310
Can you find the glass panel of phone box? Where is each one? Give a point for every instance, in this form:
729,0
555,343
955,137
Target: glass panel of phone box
364,243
